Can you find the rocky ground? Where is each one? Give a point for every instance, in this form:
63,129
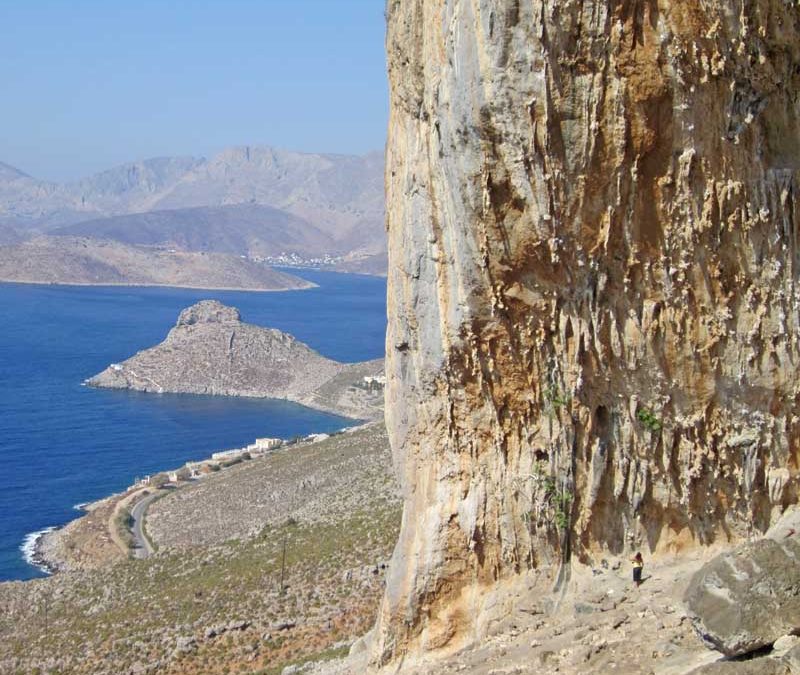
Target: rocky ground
211,599
346,394
325,483
94,540
602,624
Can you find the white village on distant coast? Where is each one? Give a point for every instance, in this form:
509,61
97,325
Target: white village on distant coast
218,460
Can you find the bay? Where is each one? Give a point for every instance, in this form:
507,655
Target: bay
63,444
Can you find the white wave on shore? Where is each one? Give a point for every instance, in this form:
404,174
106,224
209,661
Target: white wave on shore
82,506
30,551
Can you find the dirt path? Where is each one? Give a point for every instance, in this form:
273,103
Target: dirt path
113,527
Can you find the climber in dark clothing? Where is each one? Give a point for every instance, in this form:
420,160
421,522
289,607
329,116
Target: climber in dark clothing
638,564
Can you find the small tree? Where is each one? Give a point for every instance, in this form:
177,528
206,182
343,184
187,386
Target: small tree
159,480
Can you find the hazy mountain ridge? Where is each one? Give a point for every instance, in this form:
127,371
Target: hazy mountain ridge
250,200
133,186
8,172
8,235
339,194
243,229
279,178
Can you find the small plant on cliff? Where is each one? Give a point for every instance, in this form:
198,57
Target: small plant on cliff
561,520
555,397
649,420
124,523
562,509
557,502
549,487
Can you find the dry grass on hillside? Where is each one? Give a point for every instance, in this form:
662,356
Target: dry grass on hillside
219,607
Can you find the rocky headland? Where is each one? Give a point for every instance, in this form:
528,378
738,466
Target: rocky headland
212,351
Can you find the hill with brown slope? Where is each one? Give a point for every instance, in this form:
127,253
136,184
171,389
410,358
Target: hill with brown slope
84,261
241,229
218,607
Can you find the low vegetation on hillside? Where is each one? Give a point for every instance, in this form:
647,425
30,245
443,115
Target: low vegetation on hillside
300,586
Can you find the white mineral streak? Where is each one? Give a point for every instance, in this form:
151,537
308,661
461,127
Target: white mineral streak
593,218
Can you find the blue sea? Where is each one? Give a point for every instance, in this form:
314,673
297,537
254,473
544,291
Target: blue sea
63,444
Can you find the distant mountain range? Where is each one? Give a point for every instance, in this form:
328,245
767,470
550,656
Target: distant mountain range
244,229
257,202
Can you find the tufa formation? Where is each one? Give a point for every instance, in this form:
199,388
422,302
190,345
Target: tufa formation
593,235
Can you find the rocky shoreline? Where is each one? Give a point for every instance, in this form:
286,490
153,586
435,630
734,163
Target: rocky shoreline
65,547
74,545
34,550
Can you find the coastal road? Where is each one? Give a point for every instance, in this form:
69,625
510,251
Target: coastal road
141,546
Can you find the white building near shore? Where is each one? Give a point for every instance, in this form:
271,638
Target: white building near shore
263,445
223,455
373,382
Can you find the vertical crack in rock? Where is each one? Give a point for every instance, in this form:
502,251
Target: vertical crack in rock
593,223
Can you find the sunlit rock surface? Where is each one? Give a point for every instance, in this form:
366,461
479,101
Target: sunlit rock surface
593,216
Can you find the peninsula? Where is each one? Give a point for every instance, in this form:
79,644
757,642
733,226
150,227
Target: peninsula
212,351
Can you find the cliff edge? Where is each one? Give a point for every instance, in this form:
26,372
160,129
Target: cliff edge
593,291
212,351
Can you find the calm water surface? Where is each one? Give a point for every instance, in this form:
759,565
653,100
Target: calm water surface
63,444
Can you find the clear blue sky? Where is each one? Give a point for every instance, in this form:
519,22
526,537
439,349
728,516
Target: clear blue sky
88,84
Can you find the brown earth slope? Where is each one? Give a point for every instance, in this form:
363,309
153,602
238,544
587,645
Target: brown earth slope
216,606
82,261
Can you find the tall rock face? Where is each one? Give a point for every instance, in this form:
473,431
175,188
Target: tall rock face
593,216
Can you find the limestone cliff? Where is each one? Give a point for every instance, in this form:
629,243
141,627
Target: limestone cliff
593,217
212,351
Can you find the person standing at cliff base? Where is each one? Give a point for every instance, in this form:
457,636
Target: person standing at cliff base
638,564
